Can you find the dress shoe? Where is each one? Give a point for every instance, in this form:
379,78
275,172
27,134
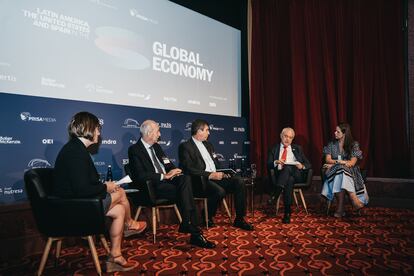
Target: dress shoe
286,219
189,228
114,264
201,241
242,224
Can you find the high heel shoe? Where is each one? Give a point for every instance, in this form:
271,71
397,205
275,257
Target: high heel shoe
356,203
129,231
113,266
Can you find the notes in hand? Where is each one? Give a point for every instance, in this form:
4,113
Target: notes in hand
126,179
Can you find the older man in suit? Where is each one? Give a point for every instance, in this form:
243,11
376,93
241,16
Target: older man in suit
197,158
148,162
289,163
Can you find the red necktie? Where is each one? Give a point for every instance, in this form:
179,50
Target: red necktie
284,154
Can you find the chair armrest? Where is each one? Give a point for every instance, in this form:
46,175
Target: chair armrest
272,177
309,177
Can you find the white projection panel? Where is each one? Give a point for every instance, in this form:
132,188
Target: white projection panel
149,53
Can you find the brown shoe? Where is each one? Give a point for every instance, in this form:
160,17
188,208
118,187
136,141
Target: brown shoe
132,229
118,263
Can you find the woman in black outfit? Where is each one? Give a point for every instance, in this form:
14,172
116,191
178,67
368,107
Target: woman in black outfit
76,176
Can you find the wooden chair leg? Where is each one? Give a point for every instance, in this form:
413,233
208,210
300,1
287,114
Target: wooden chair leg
177,212
154,223
206,211
94,255
44,256
303,200
277,204
58,249
105,243
138,212
158,214
227,209
296,199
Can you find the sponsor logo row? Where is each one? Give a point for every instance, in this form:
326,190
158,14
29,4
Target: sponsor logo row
9,140
128,123
10,191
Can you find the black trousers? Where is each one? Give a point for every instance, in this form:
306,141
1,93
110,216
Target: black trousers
217,190
179,190
285,178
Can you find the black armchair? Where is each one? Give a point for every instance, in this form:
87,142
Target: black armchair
146,197
297,188
57,217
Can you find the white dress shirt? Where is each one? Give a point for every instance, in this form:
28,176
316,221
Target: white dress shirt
290,157
210,166
148,148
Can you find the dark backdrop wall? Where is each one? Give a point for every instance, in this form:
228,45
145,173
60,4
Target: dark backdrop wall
34,129
318,62
410,77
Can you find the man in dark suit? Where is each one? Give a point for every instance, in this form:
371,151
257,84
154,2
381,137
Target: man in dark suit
289,163
148,162
197,158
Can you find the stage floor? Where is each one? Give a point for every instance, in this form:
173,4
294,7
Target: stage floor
379,241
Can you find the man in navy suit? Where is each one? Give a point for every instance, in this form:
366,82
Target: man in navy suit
197,158
148,162
289,163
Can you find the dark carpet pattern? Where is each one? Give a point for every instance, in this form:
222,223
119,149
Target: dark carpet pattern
380,241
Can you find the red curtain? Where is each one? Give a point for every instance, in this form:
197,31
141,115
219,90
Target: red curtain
316,63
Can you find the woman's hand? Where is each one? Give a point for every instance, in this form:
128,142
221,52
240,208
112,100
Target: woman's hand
327,166
111,186
349,164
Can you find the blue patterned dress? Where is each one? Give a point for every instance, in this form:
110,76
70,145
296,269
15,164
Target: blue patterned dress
339,177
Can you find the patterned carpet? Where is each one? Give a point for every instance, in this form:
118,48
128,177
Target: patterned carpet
379,241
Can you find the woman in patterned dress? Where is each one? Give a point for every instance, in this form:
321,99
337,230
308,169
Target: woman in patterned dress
342,173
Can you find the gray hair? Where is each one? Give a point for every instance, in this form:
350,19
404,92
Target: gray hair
146,127
287,129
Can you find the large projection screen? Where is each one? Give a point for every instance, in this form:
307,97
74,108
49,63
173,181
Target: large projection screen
150,53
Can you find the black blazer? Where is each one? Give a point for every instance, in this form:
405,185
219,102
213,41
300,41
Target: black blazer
191,160
273,154
140,163
75,175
